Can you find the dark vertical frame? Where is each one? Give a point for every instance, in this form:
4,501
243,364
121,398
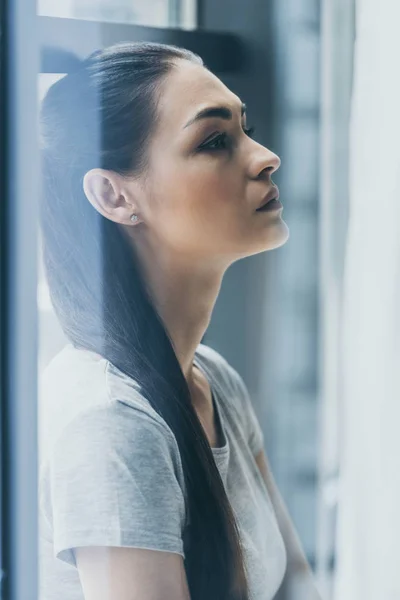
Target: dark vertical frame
18,328
3,318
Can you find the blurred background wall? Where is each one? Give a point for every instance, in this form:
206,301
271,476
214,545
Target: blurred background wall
266,318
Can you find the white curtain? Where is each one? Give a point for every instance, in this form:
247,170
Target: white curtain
368,531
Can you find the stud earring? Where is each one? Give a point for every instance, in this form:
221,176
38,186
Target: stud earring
134,218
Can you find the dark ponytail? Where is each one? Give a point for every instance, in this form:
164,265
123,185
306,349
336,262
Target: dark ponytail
102,114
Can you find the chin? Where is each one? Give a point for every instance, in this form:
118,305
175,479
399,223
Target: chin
272,238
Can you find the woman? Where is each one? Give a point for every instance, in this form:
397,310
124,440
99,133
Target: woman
154,483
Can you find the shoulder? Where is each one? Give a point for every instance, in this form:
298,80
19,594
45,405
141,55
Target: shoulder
87,402
107,436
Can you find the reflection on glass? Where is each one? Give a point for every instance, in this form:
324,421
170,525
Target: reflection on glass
51,337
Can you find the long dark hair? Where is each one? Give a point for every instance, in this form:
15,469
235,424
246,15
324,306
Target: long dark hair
102,114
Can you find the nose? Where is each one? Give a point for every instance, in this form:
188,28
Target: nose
264,163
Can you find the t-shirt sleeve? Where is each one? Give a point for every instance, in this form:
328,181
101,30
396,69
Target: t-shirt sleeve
113,481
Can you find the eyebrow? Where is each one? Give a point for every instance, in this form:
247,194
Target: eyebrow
221,112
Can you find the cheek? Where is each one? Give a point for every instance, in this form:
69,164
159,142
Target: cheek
195,205
208,186
183,189
186,213
198,181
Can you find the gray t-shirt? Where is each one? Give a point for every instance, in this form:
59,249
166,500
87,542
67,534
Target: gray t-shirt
111,474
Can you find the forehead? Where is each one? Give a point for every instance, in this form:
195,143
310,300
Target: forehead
189,88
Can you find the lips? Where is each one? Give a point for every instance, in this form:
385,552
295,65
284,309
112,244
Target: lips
273,194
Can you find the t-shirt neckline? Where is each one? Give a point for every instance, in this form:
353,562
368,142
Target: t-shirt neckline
203,368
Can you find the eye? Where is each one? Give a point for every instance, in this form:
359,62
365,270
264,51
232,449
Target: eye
250,131
217,143
221,142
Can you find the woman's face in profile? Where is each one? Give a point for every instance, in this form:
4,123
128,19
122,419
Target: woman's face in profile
206,177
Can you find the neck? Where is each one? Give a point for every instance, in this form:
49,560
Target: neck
184,293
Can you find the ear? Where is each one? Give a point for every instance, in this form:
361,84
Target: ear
104,191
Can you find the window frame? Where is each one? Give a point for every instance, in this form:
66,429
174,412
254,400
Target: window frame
19,58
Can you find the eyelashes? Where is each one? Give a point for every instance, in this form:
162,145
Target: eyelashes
222,141
249,131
